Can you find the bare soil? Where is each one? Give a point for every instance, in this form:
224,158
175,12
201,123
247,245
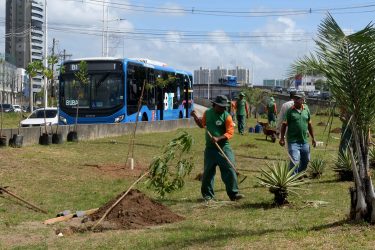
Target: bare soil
336,130
249,145
135,211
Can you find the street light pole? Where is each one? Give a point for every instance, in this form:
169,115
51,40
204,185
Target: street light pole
103,32
45,53
106,43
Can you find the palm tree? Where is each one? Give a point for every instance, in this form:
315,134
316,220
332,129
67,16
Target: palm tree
348,63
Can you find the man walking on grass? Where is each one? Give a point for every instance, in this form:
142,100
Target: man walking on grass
271,112
219,124
242,112
298,121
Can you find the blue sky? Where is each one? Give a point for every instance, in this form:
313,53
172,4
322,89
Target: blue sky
265,36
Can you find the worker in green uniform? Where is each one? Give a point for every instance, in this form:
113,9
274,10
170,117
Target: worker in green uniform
218,122
242,111
271,112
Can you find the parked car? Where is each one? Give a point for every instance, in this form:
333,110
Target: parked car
277,89
6,108
36,118
291,89
299,91
17,108
314,94
325,95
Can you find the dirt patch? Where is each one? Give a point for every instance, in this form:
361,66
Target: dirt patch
323,124
135,211
119,170
336,130
249,145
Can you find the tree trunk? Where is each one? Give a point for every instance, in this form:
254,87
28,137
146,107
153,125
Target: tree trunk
362,194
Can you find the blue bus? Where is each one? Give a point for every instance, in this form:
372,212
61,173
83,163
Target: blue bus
115,87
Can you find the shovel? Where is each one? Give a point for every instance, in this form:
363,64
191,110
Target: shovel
229,161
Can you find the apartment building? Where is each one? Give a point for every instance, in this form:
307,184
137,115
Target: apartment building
24,30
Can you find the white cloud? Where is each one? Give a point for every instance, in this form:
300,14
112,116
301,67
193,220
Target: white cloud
268,58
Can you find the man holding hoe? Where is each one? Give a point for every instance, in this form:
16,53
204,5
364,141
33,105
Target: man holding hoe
219,129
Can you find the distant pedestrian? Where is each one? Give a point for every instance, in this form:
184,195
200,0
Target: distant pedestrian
271,112
218,122
242,112
297,120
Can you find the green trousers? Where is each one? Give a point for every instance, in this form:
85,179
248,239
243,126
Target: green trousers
241,123
213,158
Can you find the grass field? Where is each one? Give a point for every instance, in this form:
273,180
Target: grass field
68,176
11,120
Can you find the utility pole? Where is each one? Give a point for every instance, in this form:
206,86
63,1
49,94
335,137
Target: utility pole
52,68
31,94
45,54
103,32
64,56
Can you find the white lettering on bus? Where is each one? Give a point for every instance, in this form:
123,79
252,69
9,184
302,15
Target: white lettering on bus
71,102
73,67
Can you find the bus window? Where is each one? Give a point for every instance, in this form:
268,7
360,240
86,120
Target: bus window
106,90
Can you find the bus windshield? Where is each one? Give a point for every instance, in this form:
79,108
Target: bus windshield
105,90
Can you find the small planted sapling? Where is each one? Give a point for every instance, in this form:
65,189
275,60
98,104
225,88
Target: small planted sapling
316,168
168,170
281,181
82,78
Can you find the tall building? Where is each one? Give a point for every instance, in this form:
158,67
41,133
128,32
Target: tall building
201,76
217,74
243,75
213,76
24,30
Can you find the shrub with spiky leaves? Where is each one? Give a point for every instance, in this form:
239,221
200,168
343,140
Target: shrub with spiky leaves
281,180
316,168
343,166
168,170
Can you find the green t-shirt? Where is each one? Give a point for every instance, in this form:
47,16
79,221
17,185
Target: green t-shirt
215,123
297,125
271,107
241,107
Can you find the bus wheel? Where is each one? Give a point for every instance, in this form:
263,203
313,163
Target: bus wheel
180,116
144,117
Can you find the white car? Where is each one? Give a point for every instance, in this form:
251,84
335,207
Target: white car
37,118
17,108
291,89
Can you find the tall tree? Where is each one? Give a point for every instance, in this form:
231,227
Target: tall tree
348,63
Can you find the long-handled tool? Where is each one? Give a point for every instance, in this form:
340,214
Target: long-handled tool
228,160
3,189
70,216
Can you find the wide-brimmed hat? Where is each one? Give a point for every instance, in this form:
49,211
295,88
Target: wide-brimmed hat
221,100
241,94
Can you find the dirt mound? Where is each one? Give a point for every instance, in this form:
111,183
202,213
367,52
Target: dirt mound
336,130
135,211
